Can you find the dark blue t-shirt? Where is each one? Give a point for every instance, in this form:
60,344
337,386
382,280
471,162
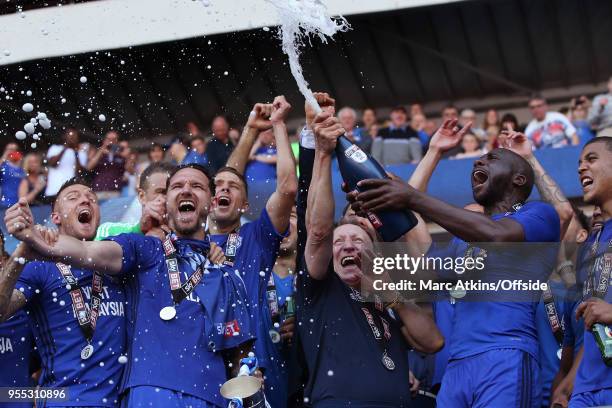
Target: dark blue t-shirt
180,354
10,178
60,340
593,374
549,348
343,358
481,325
16,347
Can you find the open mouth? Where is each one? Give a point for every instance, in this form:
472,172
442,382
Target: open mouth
186,206
349,261
84,216
586,181
479,177
223,201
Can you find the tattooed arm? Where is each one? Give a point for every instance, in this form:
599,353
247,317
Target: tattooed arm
11,300
548,188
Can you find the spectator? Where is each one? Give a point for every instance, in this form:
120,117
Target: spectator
417,123
549,129
510,120
130,177
155,154
220,146
193,129
430,127
470,144
491,121
262,159
359,136
234,136
33,184
398,143
11,175
600,114
416,109
370,122
177,150
577,114
62,163
108,166
468,115
197,153
450,113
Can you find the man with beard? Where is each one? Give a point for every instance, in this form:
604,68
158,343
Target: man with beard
184,314
253,247
593,384
78,316
494,350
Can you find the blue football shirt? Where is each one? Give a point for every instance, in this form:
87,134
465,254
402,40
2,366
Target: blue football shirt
16,347
10,178
257,251
480,326
548,345
59,339
444,311
593,374
181,354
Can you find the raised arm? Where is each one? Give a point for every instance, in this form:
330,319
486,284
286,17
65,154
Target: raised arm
53,160
281,202
443,140
258,122
11,300
103,256
548,188
320,211
306,162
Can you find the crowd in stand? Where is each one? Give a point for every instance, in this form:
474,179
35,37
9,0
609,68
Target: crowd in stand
401,138
168,309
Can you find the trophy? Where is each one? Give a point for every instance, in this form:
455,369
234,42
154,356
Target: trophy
244,390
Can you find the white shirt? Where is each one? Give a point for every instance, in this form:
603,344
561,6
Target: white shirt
65,169
554,131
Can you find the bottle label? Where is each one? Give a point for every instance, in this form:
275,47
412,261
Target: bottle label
376,223
356,154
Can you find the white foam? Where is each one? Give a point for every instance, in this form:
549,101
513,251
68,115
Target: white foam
300,20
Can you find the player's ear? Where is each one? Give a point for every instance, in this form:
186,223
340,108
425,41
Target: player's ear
56,218
141,195
582,236
519,180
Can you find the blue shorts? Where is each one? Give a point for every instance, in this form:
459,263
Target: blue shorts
496,378
592,399
146,396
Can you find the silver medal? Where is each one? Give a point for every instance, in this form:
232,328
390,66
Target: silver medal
457,293
167,313
388,362
274,336
87,352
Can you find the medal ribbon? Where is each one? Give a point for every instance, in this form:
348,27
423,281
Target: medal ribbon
556,324
87,318
179,290
600,288
381,334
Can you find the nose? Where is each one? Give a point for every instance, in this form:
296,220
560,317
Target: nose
479,162
582,167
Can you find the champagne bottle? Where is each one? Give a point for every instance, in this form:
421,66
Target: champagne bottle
355,165
603,338
272,299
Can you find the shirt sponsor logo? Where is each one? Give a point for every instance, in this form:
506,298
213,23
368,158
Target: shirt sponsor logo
5,345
